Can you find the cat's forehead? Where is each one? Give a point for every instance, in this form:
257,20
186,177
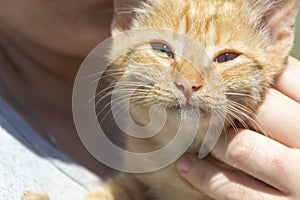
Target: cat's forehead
211,20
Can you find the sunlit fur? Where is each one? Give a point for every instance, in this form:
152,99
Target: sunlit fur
246,27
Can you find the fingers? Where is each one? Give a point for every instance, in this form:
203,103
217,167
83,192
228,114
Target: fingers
289,82
274,163
280,116
261,157
221,184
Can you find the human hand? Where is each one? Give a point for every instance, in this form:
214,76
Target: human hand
275,163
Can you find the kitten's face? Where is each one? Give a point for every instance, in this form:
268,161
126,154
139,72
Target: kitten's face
234,45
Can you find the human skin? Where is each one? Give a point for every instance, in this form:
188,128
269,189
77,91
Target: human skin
274,161
42,44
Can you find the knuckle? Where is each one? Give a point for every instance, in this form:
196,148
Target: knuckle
235,193
241,149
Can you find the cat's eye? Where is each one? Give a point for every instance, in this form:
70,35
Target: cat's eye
162,48
225,57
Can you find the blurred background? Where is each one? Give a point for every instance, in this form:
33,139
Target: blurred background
296,49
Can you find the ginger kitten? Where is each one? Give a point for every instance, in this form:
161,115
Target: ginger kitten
246,42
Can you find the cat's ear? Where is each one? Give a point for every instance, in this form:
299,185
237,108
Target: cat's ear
124,14
277,17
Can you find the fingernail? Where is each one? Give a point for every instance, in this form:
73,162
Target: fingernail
184,164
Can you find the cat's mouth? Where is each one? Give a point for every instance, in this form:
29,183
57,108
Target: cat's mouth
184,107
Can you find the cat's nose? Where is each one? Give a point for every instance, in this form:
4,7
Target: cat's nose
187,87
188,79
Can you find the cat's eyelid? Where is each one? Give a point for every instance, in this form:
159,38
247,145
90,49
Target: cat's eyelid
163,42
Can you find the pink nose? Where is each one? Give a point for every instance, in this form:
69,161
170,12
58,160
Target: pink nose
186,87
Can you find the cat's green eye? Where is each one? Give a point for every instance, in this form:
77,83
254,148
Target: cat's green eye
225,57
162,48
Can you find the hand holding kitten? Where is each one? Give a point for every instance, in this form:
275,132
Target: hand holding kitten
273,162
